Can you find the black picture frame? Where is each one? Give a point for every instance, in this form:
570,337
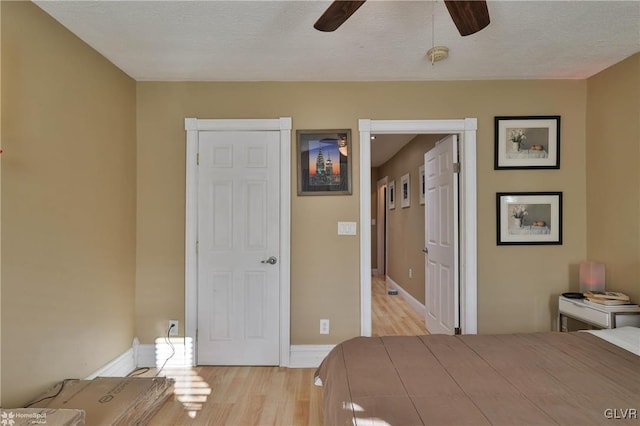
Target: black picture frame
392,195
527,142
539,214
324,162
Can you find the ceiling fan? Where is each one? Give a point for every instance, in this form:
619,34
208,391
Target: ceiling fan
469,16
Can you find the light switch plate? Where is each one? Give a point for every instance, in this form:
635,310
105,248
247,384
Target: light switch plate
347,228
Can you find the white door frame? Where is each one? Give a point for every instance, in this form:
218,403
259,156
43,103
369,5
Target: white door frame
467,128
193,126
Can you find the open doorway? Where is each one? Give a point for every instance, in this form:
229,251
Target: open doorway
398,284
466,128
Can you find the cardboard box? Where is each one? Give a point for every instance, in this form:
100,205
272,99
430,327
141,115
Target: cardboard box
114,401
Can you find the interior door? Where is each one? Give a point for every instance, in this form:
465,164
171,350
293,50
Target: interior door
238,248
441,238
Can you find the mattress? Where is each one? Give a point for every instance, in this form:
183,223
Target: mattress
518,379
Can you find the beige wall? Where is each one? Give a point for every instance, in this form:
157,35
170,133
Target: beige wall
68,206
517,286
405,226
613,175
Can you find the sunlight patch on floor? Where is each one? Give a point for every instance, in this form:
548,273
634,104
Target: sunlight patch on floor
174,360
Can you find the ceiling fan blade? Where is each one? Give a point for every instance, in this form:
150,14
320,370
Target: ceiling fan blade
336,14
469,16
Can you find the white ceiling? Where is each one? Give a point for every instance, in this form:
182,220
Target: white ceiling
384,40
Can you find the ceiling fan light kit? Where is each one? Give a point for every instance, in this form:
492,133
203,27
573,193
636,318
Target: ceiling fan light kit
437,53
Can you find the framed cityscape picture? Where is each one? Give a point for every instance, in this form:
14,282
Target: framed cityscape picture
324,162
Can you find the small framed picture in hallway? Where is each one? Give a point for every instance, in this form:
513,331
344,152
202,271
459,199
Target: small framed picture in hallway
405,191
392,195
422,183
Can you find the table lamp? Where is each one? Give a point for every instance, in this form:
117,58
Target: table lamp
591,276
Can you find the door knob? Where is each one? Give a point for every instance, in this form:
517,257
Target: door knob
425,250
271,261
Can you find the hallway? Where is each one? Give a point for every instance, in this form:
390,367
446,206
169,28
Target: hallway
392,315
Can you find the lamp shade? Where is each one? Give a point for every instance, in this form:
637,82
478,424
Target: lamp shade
592,276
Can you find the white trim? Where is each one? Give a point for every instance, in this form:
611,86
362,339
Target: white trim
192,127
468,209
146,356
468,230
308,356
365,233
117,367
191,233
301,356
285,239
237,125
412,301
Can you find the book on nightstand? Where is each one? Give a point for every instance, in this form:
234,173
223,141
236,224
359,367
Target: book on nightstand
606,295
618,304
609,299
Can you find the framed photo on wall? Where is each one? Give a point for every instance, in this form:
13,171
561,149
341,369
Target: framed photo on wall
529,218
392,195
324,162
405,191
422,184
527,142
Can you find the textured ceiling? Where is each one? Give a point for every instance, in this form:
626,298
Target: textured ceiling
383,40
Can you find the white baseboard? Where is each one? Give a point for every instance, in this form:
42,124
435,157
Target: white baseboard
412,301
301,356
146,356
308,356
118,367
374,272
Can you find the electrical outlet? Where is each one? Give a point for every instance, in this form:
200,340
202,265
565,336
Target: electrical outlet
410,273
324,326
173,331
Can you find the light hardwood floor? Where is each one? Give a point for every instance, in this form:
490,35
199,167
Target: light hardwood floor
392,315
274,396
242,396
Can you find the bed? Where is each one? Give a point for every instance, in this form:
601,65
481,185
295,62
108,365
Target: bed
577,378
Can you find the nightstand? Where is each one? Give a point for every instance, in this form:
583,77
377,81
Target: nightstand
601,317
